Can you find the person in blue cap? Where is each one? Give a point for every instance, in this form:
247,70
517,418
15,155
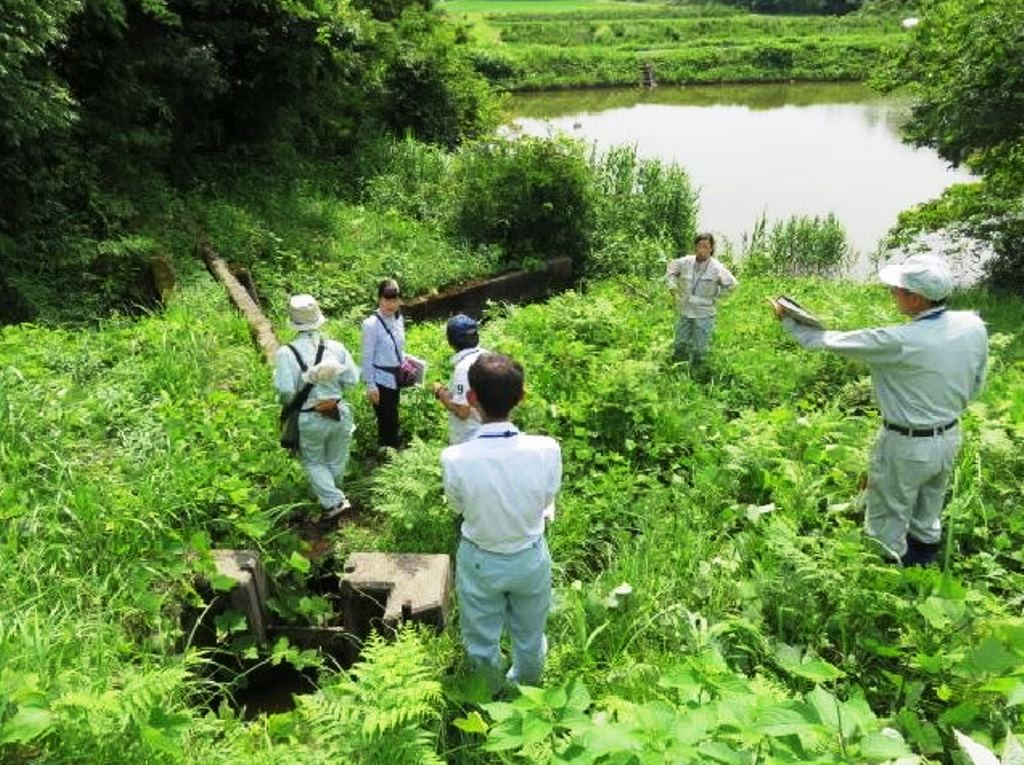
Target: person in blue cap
464,338
326,423
924,374
503,483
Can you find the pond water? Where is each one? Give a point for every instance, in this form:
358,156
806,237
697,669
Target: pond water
753,150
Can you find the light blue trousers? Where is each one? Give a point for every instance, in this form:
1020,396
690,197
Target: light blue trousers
906,489
323,451
693,338
498,591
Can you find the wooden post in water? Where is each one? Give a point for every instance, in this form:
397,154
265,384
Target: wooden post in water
647,75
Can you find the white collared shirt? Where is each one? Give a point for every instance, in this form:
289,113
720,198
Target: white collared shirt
924,372
698,285
502,482
379,351
460,430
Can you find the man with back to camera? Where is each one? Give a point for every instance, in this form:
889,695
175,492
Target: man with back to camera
464,338
503,483
924,373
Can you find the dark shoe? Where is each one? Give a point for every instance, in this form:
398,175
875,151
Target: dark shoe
920,553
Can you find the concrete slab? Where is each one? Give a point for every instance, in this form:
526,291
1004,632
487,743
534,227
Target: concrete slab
386,589
249,596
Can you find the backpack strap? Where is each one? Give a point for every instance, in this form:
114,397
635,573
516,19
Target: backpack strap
300,398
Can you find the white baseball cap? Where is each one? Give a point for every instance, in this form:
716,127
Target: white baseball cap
304,313
927,275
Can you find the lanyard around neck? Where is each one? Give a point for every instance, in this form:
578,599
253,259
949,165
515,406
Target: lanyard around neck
696,275
506,434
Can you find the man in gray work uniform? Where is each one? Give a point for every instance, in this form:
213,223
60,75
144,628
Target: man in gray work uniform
924,374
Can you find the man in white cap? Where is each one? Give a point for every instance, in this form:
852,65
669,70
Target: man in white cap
326,424
924,374
464,338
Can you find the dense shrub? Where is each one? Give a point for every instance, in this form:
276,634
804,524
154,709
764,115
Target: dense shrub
800,245
644,209
110,109
531,197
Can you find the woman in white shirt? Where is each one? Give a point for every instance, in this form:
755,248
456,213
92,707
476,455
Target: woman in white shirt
383,347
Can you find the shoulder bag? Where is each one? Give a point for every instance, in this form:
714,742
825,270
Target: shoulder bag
405,373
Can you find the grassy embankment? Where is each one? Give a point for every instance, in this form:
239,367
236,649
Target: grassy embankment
528,46
727,505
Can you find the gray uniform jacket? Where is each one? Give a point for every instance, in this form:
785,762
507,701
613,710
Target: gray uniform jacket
924,372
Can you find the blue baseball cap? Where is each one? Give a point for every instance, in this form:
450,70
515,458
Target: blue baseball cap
462,331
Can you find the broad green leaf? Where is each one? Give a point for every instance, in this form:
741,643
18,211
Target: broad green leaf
471,723
989,656
27,724
961,714
719,752
826,706
1016,696
817,671
299,562
884,746
779,720
535,730
499,711
610,738
578,696
941,612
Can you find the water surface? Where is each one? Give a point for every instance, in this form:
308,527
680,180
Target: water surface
752,150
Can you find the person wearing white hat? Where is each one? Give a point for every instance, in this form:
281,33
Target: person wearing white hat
924,374
326,423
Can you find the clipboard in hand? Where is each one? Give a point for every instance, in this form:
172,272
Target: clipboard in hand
797,312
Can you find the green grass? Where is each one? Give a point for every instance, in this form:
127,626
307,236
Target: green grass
727,503
501,7
607,44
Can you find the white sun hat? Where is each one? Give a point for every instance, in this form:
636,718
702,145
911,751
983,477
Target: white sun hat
927,275
304,313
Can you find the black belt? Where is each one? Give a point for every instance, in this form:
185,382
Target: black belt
920,432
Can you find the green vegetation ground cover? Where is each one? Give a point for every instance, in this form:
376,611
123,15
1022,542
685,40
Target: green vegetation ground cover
603,45
755,615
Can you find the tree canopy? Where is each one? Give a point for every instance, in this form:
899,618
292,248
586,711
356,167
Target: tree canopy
964,68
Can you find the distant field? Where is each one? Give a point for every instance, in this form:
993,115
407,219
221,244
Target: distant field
544,44
536,6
